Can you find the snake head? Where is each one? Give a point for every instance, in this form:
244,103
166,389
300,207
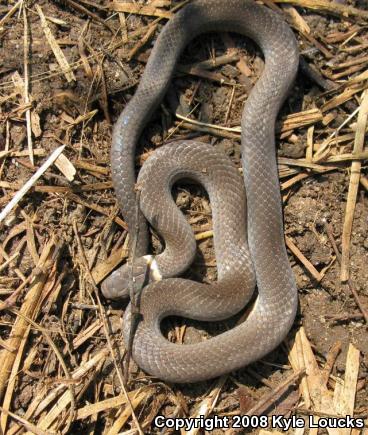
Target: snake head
118,285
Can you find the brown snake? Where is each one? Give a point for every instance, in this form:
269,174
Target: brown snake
236,226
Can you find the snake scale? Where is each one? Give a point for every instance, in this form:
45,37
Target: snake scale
248,234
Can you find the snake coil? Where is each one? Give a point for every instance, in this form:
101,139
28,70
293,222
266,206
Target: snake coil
259,224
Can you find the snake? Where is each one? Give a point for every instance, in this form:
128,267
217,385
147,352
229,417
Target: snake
247,212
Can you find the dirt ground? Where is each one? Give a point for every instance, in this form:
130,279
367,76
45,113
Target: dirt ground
65,236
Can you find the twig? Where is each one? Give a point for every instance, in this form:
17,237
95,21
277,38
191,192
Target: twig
364,182
262,405
348,157
289,123
346,95
223,59
294,180
16,270
141,42
11,300
327,53
81,164
307,264
330,361
5,346
123,28
86,11
19,195
104,96
313,74
205,74
6,148
236,130
330,235
309,151
26,86
229,106
9,14
344,317
94,5
39,152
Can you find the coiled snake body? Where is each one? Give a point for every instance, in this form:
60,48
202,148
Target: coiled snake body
235,226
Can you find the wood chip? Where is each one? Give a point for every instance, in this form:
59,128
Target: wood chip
297,20
323,402
342,98
103,269
81,164
61,59
66,167
346,401
353,187
299,120
132,8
